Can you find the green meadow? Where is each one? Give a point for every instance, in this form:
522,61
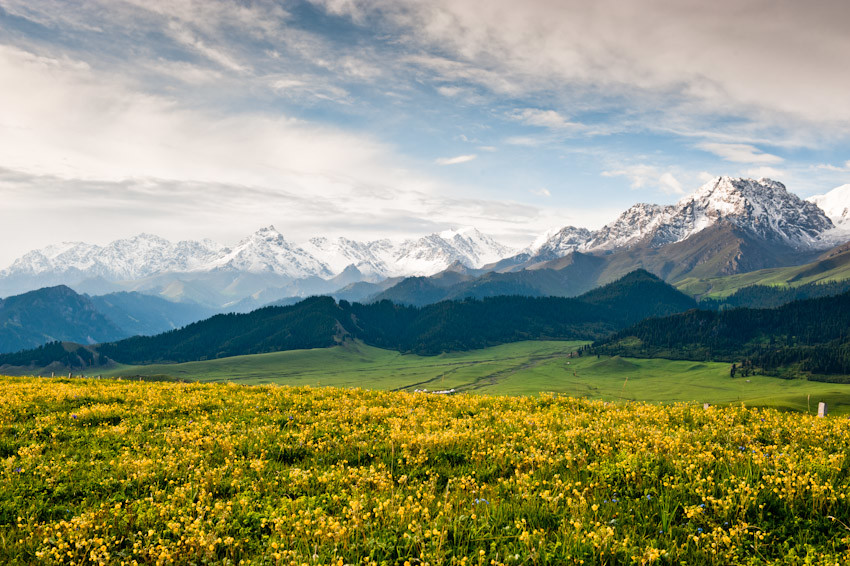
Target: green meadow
522,368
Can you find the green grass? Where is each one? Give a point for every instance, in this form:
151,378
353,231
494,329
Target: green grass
823,271
523,368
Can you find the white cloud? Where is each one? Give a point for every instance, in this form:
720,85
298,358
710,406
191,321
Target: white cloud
690,58
94,159
544,118
541,192
834,168
640,176
526,141
455,160
739,153
187,38
647,176
670,185
766,172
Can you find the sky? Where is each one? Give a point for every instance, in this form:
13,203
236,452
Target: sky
197,119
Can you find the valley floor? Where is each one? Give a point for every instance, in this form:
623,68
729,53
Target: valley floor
522,368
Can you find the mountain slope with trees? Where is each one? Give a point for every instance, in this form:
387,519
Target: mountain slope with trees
319,322
811,336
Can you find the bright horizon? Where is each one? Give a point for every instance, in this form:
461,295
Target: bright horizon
193,120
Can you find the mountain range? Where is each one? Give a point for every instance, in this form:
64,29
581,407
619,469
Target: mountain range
319,322
728,226
264,266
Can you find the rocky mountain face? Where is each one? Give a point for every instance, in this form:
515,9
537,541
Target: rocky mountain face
727,226
761,208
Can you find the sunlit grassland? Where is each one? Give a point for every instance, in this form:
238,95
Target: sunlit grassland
128,472
794,276
523,368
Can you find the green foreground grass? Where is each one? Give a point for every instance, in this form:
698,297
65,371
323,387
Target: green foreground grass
522,368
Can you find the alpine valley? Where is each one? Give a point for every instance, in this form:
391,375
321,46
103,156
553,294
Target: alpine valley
728,226
714,245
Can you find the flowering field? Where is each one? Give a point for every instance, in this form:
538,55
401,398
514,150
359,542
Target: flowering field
119,472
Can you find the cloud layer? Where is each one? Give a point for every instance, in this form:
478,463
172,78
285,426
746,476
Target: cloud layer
399,117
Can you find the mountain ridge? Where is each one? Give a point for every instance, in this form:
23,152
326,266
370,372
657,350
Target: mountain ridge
446,326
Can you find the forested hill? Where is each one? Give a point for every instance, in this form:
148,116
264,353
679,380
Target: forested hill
320,322
812,335
768,296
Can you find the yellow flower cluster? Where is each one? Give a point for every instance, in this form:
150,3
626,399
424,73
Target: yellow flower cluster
129,473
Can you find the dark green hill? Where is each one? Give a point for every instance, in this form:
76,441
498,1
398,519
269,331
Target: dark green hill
639,295
445,326
770,296
568,276
51,314
812,335
316,322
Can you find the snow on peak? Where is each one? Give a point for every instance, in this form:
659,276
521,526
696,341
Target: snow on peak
266,251
556,243
836,205
763,207
418,256
131,258
463,231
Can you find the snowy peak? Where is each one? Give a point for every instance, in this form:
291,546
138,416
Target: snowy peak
478,249
836,205
340,253
131,258
436,252
420,256
762,207
266,251
631,227
558,243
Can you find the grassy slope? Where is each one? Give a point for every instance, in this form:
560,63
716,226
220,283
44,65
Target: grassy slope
836,268
515,369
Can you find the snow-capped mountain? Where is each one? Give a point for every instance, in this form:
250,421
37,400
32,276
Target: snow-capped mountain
265,254
476,248
836,205
341,252
763,208
131,258
630,227
557,243
266,251
436,252
420,256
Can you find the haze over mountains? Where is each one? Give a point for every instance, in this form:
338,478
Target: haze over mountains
727,226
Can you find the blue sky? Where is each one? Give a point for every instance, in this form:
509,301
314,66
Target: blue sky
395,118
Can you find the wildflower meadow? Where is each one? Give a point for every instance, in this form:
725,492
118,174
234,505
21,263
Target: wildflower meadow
126,473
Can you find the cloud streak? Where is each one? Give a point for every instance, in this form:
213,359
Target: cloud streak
456,160
740,153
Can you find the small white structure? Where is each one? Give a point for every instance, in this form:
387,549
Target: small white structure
705,406
821,409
